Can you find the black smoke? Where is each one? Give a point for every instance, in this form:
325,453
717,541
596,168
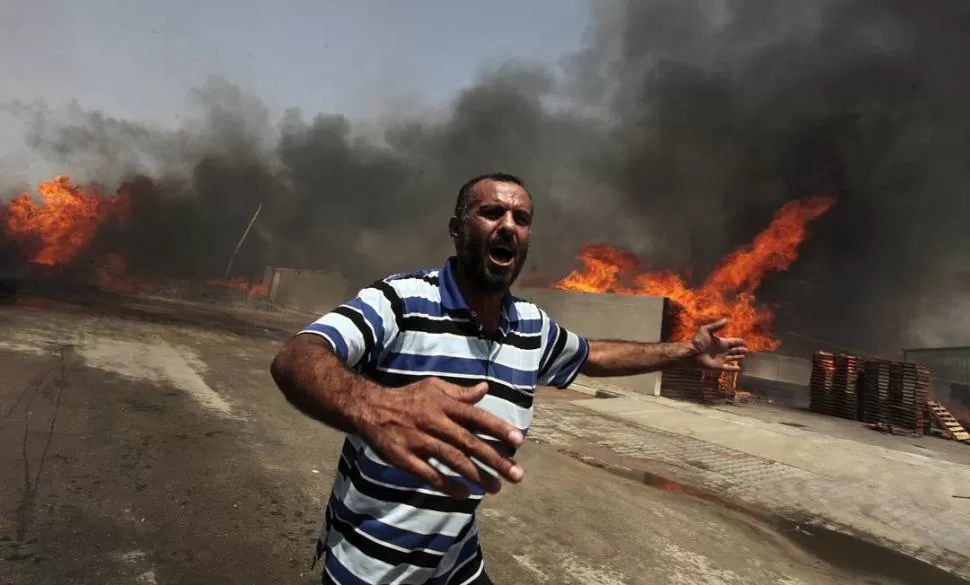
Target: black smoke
725,110
676,130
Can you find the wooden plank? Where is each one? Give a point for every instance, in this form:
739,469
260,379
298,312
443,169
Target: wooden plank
947,422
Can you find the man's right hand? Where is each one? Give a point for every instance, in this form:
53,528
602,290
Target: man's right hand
432,418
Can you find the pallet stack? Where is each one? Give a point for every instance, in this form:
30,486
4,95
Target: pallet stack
894,395
833,388
697,385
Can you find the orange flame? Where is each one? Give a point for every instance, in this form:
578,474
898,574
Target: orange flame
241,284
112,275
63,225
727,292
59,230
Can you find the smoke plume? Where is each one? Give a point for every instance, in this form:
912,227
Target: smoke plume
676,130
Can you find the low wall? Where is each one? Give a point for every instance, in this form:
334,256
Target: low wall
778,368
606,316
306,290
783,379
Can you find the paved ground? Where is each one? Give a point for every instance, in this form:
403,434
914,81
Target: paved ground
907,493
147,444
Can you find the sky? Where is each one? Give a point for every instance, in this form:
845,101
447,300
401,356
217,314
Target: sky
138,60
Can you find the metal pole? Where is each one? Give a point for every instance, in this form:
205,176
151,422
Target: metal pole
241,240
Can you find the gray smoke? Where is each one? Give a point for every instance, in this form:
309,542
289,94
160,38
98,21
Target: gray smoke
334,198
676,131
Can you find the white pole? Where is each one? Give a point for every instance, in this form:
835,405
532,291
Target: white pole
239,245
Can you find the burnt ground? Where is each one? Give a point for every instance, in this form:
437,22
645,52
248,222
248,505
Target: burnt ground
146,443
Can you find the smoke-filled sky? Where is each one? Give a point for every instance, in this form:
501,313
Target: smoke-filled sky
137,60
671,127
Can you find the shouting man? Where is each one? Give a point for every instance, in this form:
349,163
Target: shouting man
432,375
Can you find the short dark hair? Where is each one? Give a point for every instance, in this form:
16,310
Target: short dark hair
465,192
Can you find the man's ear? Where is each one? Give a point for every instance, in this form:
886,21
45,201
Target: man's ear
454,228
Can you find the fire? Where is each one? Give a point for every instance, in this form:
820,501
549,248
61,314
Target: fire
729,290
63,225
59,231
242,285
112,275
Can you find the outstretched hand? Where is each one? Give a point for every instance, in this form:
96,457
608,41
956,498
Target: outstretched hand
718,353
434,419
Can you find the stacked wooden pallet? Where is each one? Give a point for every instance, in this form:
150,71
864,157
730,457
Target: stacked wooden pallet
894,395
697,385
833,388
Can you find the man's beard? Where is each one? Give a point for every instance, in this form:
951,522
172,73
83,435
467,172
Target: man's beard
474,263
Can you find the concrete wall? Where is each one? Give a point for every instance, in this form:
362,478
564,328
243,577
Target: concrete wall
306,290
606,316
783,379
778,368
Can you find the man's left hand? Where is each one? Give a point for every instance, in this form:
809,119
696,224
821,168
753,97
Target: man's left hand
718,353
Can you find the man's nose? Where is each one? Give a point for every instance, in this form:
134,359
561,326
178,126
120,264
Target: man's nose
507,222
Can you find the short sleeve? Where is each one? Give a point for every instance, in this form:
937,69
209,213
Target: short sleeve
360,329
563,354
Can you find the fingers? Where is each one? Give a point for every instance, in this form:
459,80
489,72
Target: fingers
485,453
455,434
459,443
715,326
459,462
487,423
466,394
732,342
436,479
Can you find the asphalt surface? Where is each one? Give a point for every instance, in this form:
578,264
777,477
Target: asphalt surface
146,443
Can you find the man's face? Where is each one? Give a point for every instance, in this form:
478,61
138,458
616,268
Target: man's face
493,242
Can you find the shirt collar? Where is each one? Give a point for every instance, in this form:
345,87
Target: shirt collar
453,300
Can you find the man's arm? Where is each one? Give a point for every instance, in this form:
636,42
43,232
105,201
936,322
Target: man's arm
318,384
407,427
314,369
628,358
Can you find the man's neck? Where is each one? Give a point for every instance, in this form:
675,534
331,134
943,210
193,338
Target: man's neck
487,306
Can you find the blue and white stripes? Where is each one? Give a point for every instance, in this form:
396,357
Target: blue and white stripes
384,525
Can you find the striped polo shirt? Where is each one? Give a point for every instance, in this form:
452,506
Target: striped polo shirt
384,525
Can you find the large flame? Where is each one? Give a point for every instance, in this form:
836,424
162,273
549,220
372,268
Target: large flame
59,230
61,227
727,292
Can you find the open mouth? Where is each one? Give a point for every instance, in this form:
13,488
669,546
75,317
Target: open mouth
501,254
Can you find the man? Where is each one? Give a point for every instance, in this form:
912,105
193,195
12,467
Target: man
432,375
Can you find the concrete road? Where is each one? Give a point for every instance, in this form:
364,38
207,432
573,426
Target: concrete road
144,442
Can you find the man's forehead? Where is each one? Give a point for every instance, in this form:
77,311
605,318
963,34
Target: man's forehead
508,193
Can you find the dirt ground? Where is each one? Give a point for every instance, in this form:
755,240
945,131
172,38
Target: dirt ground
146,443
